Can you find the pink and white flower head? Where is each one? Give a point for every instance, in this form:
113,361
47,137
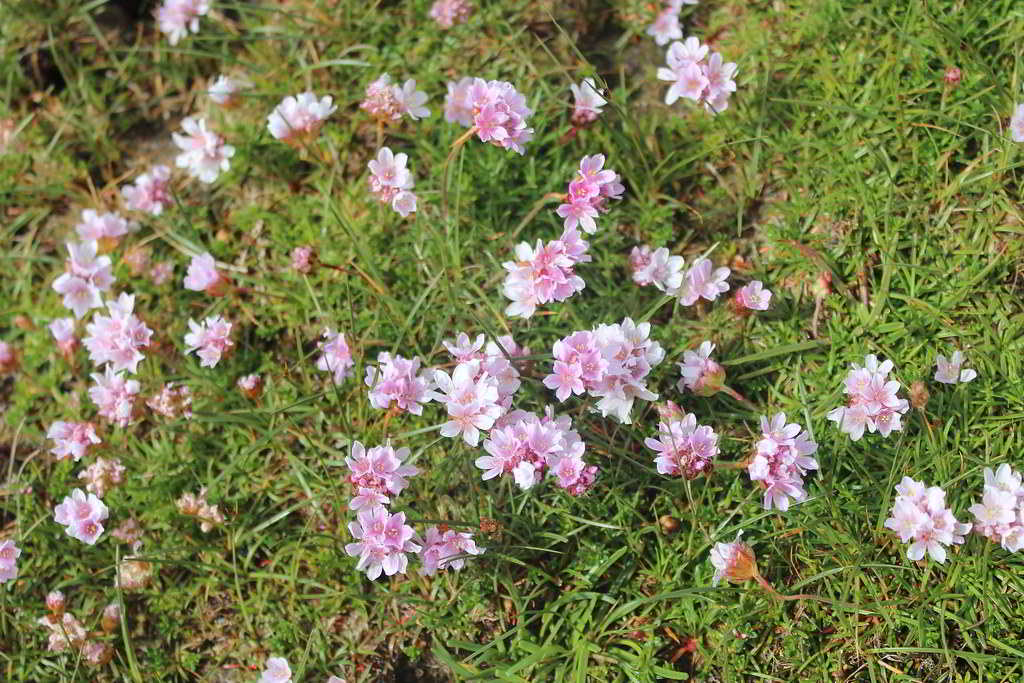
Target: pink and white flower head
666,26
391,182
493,362
387,102
396,380
383,541
544,273
65,632
203,276
8,358
161,273
82,515
114,396
297,120
211,340
495,110
873,403
949,372
697,77
588,190
196,505
335,356
377,474
701,281
118,338
203,153
446,550
411,101
72,439
999,516
734,561
102,475
447,13
753,297
86,278
471,398
225,90
1017,124
920,518
684,448
251,386
173,401
176,18
700,373
781,459
611,363
108,226
303,259
657,267
277,671
150,192
63,330
587,102
9,553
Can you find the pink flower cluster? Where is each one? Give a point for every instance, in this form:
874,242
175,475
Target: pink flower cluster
588,192
9,554
587,102
224,91
471,397
666,25
102,475
544,273
382,542
63,331
386,102
999,516
949,371
699,372
873,400
177,17
66,631
172,401
753,297
611,362
525,445
684,448
781,458
72,439
118,338
657,267
210,341
203,276
696,77
196,505
95,226
493,361
297,119
447,13
82,515
87,276
114,396
391,182
398,380
701,282
277,671
494,109
150,192
920,517
376,474
203,153
446,550
335,356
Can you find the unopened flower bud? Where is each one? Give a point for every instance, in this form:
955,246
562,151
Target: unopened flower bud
8,358
735,561
55,602
919,395
251,386
669,524
111,617
97,653
953,76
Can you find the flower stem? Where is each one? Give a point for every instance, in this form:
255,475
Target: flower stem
456,146
801,596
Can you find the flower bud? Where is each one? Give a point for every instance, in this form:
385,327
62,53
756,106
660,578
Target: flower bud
8,358
735,561
919,395
953,76
669,524
303,259
251,386
711,380
111,617
55,602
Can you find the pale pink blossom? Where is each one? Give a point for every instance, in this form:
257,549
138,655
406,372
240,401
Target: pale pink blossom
781,459
9,553
297,120
921,519
65,631
446,550
8,358
684,448
471,398
95,226
251,386
224,90
303,259
203,153
699,372
82,515
63,330
391,182
72,439
203,276
399,381
705,80
1017,124
383,541
587,102
377,474
381,100
176,18
544,273
86,278
949,371
753,296
447,13
114,396
118,338
335,355
210,340
411,101
734,561
102,475
277,671
161,273
701,281
172,401
587,192
1000,514
494,108
873,404
495,361
150,192
657,267
196,505
666,26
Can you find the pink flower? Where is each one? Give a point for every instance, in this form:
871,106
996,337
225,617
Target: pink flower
114,396
381,100
251,386
658,268
733,561
173,401
391,182
587,192
203,152
335,356
666,26
494,108
383,541
949,372
1000,514
543,274
446,550
376,474
303,259
210,341
494,361
753,296
72,439
177,17
684,449
447,13
780,461
411,101
699,373
118,338
458,106
395,380
277,671
102,475
9,554
298,119
151,191
87,276
920,517
706,82
65,631
82,515
196,505
1017,124
224,91
587,102
471,398
873,403
701,282
203,276
161,273
8,358
95,227
63,330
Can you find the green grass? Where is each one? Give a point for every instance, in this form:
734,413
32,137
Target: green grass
842,151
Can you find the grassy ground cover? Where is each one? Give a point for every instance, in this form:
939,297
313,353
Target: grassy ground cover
880,202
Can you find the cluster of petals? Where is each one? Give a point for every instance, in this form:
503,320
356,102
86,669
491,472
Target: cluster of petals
150,192
9,553
63,331
203,276
386,102
119,337
920,517
72,439
172,401
684,448
494,109
544,273
873,402
177,17
611,362
398,380
782,456
83,515
950,372
66,631
695,76
587,102
114,396
203,153
999,516
383,541
210,340
377,474
391,181
303,259
102,475
224,90
1017,123
702,281
525,445
95,226
447,13
471,398
656,267
733,561
446,550
588,190
276,671
8,358
493,361
298,118
753,296
666,24
250,385
86,277
196,505
335,355
699,372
